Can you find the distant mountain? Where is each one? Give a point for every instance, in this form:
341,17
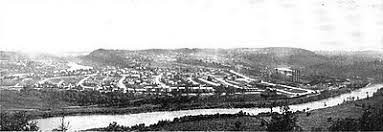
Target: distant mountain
246,56
16,56
74,53
11,56
250,57
366,53
282,56
350,57
103,56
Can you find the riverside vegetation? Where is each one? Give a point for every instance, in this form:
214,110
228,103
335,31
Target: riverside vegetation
370,119
48,103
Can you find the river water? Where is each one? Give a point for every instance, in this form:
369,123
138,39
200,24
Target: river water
83,122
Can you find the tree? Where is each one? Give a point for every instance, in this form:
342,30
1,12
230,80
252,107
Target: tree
371,120
347,124
18,121
272,105
219,90
64,126
283,122
268,93
115,127
209,78
238,125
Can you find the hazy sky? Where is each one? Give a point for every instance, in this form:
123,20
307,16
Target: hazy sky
78,25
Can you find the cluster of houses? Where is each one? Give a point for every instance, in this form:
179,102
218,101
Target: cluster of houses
176,80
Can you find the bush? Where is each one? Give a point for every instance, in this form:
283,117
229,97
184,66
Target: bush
347,124
371,120
18,121
283,122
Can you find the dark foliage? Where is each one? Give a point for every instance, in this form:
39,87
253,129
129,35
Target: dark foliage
18,121
347,124
161,125
283,122
53,99
371,120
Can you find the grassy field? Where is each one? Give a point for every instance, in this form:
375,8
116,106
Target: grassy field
29,81
14,100
321,119
68,79
9,82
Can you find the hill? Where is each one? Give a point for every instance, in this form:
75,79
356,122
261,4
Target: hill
357,64
11,56
246,56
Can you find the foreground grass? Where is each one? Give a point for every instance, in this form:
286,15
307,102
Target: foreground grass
321,119
234,123
227,124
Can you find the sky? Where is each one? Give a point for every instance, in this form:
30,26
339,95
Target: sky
82,25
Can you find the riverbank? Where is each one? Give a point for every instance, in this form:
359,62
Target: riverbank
218,122
315,120
84,122
237,103
321,119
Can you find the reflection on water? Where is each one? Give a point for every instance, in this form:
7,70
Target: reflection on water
95,121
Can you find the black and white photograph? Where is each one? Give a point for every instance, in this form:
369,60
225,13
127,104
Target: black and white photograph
191,65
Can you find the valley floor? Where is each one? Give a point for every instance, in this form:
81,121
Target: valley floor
38,105
316,120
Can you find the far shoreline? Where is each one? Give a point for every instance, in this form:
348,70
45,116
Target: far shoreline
86,110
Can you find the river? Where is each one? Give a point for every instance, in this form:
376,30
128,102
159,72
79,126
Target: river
83,122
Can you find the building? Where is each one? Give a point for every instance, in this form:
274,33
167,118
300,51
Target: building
296,75
288,74
284,71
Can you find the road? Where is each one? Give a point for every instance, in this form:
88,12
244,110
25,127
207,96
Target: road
248,79
193,82
279,90
47,79
121,84
157,79
308,91
229,84
81,82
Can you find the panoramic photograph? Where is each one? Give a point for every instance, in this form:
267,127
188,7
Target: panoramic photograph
191,65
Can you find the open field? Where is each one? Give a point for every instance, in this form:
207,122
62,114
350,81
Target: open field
247,123
29,81
14,100
70,79
10,82
321,119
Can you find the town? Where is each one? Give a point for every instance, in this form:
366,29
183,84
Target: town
118,82
175,80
